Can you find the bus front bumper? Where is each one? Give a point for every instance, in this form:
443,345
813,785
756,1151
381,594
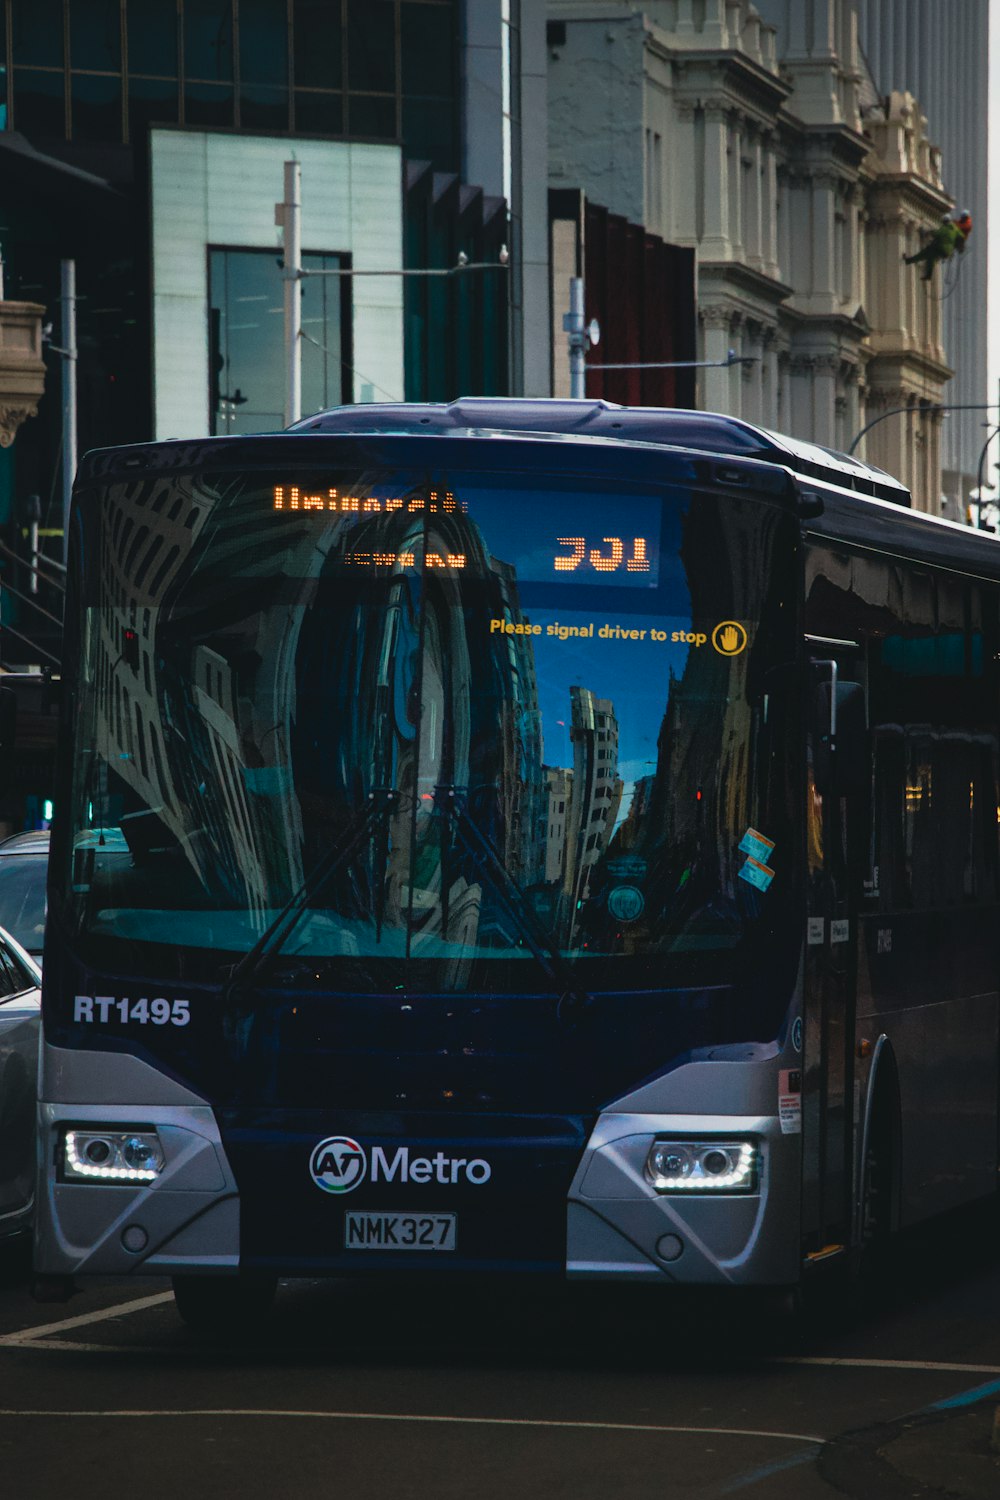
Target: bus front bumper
619,1227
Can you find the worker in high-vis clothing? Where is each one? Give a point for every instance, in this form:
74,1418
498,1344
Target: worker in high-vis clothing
951,234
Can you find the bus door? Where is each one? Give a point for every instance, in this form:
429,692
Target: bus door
835,790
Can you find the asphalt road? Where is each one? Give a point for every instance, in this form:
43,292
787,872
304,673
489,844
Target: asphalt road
494,1394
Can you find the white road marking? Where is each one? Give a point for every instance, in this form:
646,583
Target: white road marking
31,1338
28,1336
389,1416
69,1346
185,1351
886,1364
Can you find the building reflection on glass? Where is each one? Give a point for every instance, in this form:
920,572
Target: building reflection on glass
283,710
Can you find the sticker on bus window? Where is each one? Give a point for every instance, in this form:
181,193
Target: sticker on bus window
626,903
757,845
756,873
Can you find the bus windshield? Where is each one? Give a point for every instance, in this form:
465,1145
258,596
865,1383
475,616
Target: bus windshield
440,731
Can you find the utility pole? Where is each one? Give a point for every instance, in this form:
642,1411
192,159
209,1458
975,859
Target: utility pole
34,513
982,525
288,215
68,353
578,338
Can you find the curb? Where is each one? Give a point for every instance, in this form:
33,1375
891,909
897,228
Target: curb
862,1464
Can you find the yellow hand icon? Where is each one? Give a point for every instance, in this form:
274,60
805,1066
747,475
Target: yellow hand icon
729,638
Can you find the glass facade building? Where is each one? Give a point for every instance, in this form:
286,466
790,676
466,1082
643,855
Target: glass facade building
88,86
103,71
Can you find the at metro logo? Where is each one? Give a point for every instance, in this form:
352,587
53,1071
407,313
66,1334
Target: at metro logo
339,1164
437,1168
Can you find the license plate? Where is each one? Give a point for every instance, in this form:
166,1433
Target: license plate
399,1231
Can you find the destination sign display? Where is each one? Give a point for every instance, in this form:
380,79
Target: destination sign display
579,537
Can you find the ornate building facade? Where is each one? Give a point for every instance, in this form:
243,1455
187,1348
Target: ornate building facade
764,146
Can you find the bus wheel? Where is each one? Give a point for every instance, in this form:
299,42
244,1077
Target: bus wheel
224,1304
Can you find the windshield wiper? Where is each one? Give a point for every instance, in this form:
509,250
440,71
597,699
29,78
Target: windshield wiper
571,998
252,965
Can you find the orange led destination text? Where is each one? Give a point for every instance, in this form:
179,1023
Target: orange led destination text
602,562
454,560
292,497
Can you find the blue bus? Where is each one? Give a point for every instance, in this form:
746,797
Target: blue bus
515,838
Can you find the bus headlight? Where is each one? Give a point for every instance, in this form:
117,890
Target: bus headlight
702,1166
111,1156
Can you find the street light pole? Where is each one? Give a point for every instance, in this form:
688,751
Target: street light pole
921,410
288,217
68,352
979,478
576,338
288,214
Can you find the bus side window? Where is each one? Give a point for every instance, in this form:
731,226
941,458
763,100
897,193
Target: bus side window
974,816
890,873
949,814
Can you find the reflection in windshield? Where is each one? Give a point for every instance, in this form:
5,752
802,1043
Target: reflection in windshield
547,694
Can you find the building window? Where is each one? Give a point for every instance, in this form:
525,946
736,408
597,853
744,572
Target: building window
318,112
208,40
263,62
318,52
430,131
40,102
371,51
152,38
373,69
95,36
96,107
151,101
246,339
654,180
208,104
372,115
37,34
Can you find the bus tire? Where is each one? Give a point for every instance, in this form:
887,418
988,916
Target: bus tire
224,1304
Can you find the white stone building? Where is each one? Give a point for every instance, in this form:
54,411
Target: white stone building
939,53
800,191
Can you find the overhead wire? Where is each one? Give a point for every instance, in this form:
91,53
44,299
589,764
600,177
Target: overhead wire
360,373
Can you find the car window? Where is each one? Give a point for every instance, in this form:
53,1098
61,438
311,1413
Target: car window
15,977
9,981
22,898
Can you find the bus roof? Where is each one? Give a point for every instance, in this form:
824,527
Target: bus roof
706,432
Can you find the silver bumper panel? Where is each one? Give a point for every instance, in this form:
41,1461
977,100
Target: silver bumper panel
189,1215
619,1227
617,1221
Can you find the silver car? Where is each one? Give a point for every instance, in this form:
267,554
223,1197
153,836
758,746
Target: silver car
24,861
20,1017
